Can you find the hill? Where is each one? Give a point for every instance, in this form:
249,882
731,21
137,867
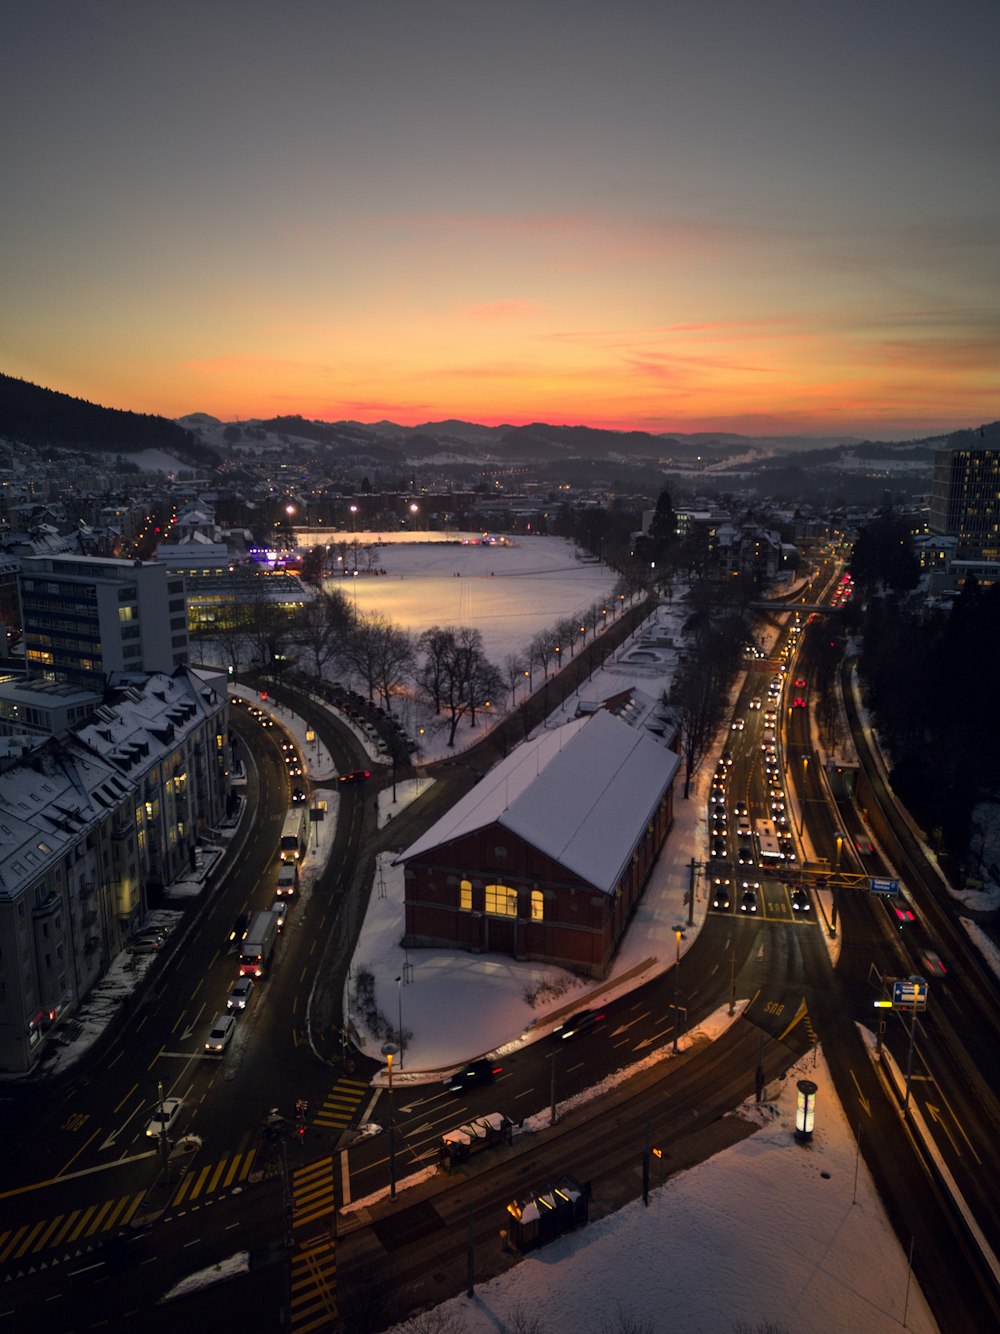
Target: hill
44,418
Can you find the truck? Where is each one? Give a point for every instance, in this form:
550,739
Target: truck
292,844
258,944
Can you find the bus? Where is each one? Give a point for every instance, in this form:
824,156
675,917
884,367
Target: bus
768,846
292,846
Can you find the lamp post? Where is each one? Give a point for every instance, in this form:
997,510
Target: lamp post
354,515
399,1030
678,932
413,516
389,1050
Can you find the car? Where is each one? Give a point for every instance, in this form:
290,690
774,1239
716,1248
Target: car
472,1075
288,875
787,849
798,702
146,942
742,810
748,901
298,796
239,997
865,847
238,930
356,776
933,966
799,683
220,1034
749,884
745,855
721,888
578,1023
800,900
903,914
163,1118
280,910
738,724
718,848
727,758
756,702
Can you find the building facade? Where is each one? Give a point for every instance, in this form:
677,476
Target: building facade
86,618
91,828
965,500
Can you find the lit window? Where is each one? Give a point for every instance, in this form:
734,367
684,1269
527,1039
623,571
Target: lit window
501,900
465,895
537,906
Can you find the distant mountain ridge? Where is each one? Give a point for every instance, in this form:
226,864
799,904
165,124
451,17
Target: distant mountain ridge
42,418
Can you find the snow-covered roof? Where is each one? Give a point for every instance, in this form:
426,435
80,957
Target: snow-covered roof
581,793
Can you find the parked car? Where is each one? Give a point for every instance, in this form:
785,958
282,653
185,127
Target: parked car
147,942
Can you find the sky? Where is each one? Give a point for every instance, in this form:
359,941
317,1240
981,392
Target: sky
764,218
700,1243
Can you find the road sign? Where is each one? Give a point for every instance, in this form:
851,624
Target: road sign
879,885
909,994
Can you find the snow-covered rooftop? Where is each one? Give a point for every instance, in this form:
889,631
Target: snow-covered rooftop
581,793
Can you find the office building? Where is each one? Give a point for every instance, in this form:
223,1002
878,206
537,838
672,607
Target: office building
86,618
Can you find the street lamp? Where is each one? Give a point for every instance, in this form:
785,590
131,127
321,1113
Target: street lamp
413,516
399,993
389,1050
354,511
678,932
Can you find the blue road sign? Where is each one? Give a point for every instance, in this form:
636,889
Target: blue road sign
879,885
909,994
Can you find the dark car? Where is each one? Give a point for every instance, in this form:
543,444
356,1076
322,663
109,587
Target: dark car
800,901
355,776
239,928
578,1023
298,796
748,901
721,892
472,1075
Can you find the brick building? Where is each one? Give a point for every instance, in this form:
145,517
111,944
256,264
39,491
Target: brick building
548,855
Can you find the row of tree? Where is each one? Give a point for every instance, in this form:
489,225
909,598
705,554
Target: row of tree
446,665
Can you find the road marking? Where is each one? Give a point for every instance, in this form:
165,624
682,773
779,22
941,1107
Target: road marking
861,1098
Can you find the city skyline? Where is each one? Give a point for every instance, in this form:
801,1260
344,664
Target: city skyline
765,221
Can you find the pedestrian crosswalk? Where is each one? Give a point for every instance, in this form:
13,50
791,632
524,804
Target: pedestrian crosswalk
314,1287
73,1229
340,1105
312,1194
232,1170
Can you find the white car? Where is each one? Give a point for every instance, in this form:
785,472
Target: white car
163,1118
220,1036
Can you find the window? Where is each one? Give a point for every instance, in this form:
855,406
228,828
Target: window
465,895
501,900
537,906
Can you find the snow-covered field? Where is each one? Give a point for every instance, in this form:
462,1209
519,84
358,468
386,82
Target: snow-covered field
508,593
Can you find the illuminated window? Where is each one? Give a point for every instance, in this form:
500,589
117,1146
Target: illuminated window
465,895
537,906
501,900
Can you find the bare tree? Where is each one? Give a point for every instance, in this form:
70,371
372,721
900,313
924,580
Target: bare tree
541,651
515,668
361,648
625,1321
394,658
435,644
321,627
